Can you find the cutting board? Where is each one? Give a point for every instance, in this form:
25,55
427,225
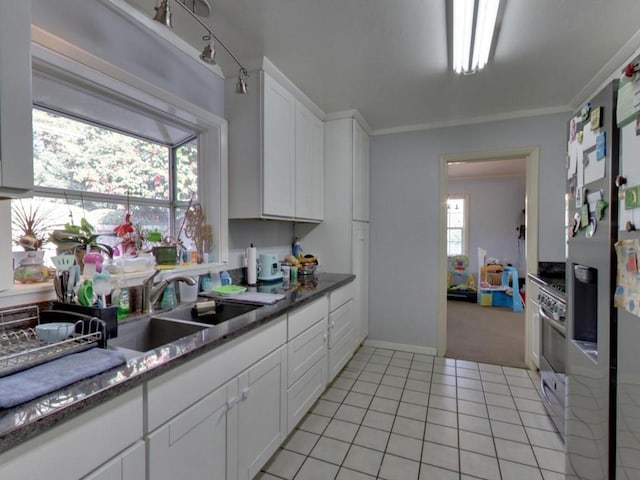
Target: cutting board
256,297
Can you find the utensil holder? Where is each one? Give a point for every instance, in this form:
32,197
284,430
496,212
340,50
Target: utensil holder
109,315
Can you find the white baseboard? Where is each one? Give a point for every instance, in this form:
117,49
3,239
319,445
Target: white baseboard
400,346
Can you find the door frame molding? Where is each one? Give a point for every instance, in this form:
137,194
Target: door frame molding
532,155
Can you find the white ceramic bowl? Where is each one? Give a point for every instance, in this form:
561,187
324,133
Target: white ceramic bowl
54,332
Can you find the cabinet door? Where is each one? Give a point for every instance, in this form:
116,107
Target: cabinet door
16,134
340,321
360,258
194,444
340,354
302,395
262,420
279,150
305,350
309,165
130,465
360,173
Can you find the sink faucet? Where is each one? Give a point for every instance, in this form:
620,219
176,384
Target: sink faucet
151,290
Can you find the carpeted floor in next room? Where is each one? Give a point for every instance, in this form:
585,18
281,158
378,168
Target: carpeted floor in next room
485,334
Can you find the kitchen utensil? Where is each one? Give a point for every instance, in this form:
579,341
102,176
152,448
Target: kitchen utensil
102,286
86,293
57,286
63,262
54,332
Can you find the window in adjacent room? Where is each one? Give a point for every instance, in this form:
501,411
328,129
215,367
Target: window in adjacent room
457,224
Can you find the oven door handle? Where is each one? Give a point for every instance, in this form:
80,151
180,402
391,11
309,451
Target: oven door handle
560,327
545,395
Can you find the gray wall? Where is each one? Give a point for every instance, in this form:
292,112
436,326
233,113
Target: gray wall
495,209
101,31
405,198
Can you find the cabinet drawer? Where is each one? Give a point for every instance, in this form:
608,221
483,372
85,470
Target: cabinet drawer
303,394
340,296
176,390
340,321
340,354
306,349
306,316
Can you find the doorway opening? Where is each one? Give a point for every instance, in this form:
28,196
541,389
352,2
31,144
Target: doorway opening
526,260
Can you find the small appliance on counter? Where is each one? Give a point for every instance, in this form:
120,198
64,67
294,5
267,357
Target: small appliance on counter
269,268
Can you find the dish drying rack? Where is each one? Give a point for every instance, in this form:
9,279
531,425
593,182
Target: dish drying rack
20,347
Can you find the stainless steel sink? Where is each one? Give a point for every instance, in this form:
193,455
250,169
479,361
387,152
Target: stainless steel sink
223,312
147,333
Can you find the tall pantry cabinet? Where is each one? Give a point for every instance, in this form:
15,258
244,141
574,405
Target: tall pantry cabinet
341,242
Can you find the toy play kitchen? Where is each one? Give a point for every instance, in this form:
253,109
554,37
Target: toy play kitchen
269,268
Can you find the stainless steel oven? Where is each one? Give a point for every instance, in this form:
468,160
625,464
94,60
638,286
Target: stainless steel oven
553,346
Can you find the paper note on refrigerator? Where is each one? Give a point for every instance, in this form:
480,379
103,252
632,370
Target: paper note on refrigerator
594,169
628,103
574,151
627,294
588,138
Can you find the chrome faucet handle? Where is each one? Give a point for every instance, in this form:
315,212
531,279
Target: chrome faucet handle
150,280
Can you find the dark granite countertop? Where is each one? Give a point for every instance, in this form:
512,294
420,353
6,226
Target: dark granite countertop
28,420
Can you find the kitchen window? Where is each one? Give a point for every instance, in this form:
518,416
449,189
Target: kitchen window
105,142
457,224
84,169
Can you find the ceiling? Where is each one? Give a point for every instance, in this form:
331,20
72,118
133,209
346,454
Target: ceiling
390,61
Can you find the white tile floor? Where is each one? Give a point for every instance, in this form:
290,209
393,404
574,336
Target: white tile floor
395,415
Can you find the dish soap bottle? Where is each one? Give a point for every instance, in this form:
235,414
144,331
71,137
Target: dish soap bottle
225,278
297,248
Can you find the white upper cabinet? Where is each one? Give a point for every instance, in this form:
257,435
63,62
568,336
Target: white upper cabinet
360,173
16,137
309,180
279,154
276,150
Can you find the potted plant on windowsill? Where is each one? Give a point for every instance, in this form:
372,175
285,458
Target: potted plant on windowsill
32,223
78,240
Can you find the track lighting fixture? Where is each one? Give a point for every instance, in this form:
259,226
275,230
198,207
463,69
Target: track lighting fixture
241,84
197,9
208,54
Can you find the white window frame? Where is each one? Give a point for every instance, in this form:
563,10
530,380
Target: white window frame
465,225
55,56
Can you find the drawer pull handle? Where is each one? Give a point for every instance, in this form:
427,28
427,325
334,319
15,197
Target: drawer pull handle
324,338
232,402
245,393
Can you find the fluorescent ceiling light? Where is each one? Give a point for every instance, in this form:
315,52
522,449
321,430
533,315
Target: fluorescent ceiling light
474,23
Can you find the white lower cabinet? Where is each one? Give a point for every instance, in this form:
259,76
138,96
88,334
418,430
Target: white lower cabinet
340,353
342,341
130,465
303,394
230,433
194,444
262,420
307,379
79,446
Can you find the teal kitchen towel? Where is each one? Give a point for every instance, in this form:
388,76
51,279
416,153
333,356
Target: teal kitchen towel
28,384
